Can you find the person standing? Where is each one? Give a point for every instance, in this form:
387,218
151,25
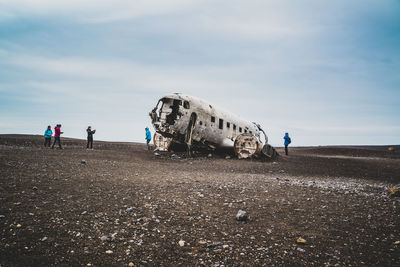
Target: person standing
47,136
148,138
90,134
57,134
287,142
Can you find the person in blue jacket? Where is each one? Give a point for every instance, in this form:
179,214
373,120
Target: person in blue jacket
148,138
47,136
287,142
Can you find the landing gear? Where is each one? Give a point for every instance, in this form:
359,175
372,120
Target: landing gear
189,133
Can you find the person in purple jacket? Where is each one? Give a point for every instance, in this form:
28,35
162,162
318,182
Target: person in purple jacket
57,134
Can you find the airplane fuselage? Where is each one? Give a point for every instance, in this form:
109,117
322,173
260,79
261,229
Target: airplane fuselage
209,124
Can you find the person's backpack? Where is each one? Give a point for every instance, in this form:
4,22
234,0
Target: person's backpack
289,140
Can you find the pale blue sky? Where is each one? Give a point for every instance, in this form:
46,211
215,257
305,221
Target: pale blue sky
326,72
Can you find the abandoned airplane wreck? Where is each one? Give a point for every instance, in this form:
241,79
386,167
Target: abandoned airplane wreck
188,120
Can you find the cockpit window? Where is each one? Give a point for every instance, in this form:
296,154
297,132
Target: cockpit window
174,112
186,104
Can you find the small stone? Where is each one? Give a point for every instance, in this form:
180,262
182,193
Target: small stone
130,209
209,155
113,235
227,157
156,154
394,191
83,161
301,240
301,250
215,244
2,216
19,225
130,264
397,242
104,238
225,246
241,215
109,252
35,188
89,264
181,243
44,238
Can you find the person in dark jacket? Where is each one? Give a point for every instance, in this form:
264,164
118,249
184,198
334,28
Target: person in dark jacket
148,138
286,143
57,134
47,136
90,134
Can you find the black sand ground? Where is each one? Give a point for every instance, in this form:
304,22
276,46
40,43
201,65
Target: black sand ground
126,205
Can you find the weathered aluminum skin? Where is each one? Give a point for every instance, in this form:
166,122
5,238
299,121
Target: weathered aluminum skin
173,113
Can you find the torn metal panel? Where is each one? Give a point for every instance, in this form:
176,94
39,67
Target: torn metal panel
161,143
268,151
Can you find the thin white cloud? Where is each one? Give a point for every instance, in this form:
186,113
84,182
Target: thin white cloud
95,11
256,20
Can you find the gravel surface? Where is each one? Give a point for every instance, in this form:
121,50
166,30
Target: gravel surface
121,205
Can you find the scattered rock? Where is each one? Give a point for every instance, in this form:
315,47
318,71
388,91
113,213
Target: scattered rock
44,238
109,252
113,235
181,243
227,157
104,238
2,216
301,241
35,188
174,156
241,215
209,155
394,191
131,264
19,225
83,161
156,154
215,244
301,250
396,242
130,209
